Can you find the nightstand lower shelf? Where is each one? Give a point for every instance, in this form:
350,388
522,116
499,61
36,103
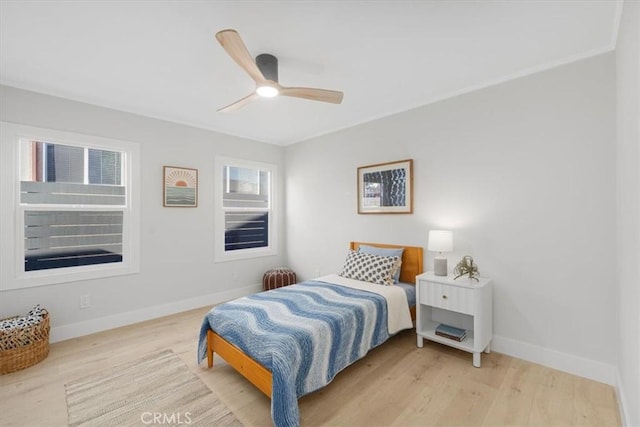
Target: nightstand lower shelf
467,345
465,305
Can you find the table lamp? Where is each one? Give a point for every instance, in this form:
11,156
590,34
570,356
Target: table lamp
440,241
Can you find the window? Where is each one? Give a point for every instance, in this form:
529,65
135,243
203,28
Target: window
76,214
56,174
244,214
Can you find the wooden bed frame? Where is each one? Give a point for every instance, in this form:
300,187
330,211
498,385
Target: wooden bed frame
258,375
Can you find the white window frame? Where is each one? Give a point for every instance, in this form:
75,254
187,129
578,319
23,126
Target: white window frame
220,255
13,274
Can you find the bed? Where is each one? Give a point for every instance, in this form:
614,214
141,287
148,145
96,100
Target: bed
288,358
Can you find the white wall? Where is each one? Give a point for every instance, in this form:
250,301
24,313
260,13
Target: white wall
628,220
522,172
177,267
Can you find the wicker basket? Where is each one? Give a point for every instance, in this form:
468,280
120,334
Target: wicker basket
24,347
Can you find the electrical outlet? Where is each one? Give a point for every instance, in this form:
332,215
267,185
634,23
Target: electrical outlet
85,301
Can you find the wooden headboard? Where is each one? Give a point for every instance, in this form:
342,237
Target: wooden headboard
411,259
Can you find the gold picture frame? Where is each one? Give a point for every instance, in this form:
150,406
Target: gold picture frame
180,187
386,188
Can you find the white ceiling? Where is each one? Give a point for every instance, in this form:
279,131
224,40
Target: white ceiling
161,59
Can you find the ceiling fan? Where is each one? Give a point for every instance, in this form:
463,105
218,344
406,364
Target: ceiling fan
264,71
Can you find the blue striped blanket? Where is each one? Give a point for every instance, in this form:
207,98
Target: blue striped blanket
304,334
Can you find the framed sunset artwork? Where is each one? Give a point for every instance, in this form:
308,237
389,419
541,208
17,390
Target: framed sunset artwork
180,187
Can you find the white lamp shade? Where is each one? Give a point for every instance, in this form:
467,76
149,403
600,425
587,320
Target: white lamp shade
440,241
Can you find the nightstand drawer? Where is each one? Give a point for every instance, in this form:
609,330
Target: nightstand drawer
452,298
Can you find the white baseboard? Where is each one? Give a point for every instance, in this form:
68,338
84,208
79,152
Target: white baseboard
570,363
565,362
586,368
65,332
623,404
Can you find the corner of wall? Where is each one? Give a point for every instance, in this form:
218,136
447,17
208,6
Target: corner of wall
623,404
587,368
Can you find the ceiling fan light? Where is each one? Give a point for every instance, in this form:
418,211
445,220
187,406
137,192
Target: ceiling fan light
267,91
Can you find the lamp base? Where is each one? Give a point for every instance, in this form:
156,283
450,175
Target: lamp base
440,266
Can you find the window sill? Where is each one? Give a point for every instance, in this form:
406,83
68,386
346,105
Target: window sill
245,254
36,278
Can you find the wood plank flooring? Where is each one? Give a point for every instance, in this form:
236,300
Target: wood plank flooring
397,384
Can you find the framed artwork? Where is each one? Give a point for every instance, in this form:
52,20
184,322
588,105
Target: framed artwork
386,188
180,188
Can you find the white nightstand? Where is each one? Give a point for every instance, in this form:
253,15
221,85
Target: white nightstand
463,303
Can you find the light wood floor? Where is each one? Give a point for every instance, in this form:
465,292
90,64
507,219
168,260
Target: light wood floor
397,384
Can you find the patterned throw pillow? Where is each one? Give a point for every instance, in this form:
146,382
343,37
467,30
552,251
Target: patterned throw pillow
374,250
35,311
32,318
370,268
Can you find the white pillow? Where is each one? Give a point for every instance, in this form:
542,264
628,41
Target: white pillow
371,268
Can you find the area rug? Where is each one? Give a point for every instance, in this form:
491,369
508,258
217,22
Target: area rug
158,389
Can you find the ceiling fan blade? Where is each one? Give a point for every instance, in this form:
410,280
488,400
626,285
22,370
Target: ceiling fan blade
323,95
238,104
232,43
